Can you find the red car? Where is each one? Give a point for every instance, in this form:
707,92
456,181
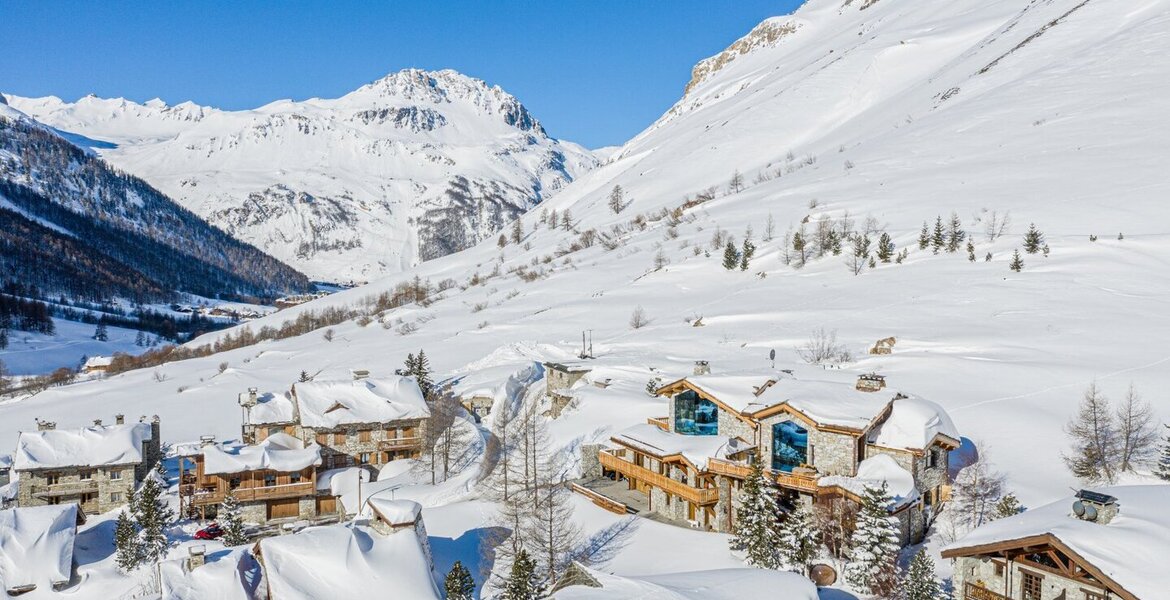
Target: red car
210,532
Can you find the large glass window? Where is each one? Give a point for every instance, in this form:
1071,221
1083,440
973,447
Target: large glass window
789,446
694,415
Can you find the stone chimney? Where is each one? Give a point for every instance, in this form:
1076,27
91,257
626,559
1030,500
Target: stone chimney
45,425
206,440
97,422
1095,507
702,367
120,419
359,374
870,382
196,557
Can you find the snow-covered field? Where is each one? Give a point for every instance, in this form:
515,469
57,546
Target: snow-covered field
902,112
35,354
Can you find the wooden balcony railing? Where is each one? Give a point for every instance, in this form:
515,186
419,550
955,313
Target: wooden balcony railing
797,481
662,423
204,496
68,488
974,592
403,443
631,471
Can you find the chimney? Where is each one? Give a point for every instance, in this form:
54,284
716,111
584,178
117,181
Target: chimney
45,425
97,422
702,368
1095,507
196,557
120,419
359,374
206,440
870,382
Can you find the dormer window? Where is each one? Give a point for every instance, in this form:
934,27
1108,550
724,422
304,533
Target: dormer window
694,415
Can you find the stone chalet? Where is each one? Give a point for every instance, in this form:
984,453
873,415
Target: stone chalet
272,481
1095,545
95,467
358,421
820,442
558,379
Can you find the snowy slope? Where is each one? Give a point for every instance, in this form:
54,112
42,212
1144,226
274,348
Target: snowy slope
1049,109
415,165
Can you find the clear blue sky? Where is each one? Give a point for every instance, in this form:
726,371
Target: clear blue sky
593,71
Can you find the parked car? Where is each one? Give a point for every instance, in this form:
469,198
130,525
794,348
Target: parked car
211,532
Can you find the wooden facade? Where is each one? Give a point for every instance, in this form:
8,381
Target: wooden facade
276,489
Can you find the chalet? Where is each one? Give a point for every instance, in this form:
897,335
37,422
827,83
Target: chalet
559,378
36,547
361,421
96,467
97,365
819,441
1095,545
273,480
381,555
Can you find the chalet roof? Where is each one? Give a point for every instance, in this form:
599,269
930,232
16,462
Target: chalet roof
914,424
394,512
569,367
347,561
279,452
231,575
717,584
98,362
695,448
36,545
1131,549
328,404
271,408
100,445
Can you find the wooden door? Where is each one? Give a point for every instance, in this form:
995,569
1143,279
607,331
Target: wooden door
326,505
282,509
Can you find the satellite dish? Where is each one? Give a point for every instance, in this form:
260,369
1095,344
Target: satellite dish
1090,512
772,354
1079,509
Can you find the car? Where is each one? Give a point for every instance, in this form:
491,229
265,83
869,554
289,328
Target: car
211,532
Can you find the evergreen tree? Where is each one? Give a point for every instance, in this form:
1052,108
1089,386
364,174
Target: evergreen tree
1033,240
1017,263
502,241
970,250
459,584
938,239
522,584
3,338
232,522
745,256
955,234
1007,506
920,582
153,515
517,231
140,339
799,539
730,256
756,528
305,376
1094,437
127,547
885,249
617,200
874,542
422,374
410,365
100,333
924,237
1162,469
567,219
552,219
800,246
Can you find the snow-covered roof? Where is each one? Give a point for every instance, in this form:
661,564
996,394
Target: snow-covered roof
718,584
913,424
5,461
279,452
227,575
872,472
98,362
1131,549
695,448
89,446
347,561
271,408
36,545
328,404
395,512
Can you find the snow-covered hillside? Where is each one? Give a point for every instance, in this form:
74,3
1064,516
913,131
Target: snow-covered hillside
903,111
410,167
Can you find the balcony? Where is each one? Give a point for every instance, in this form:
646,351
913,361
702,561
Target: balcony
662,423
974,592
68,488
801,482
403,443
700,496
205,496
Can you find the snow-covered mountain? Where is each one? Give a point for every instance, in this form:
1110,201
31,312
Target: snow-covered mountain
413,166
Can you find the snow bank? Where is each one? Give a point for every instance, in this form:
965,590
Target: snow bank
279,452
913,424
231,575
95,446
395,512
719,584
36,546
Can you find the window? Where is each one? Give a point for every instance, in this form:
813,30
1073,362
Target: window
1030,587
694,415
999,568
364,458
52,478
789,446
234,483
115,475
269,479
294,478
88,497
85,475
53,500
1094,595
364,435
115,496
323,439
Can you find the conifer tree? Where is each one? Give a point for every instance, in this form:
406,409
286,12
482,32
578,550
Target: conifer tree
799,539
419,367
745,256
1033,240
885,249
756,529
1017,263
800,246
1162,469
567,219
522,584
924,237
232,522
502,241
955,234
100,333
874,542
938,239
3,338
920,582
730,256
1007,506
1094,437
140,339
459,584
305,377
552,219
517,231
127,546
970,250
153,514
617,200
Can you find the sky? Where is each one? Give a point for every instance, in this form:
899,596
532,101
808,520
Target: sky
595,72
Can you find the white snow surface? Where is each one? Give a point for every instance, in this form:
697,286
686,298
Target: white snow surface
1131,549
36,546
873,472
271,407
329,403
395,512
717,584
348,560
695,448
913,424
278,452
227,575
94,446
334,187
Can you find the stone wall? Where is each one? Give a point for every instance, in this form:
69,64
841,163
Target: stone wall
346,440
590,463
982,573
832,453
556,379
110,493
